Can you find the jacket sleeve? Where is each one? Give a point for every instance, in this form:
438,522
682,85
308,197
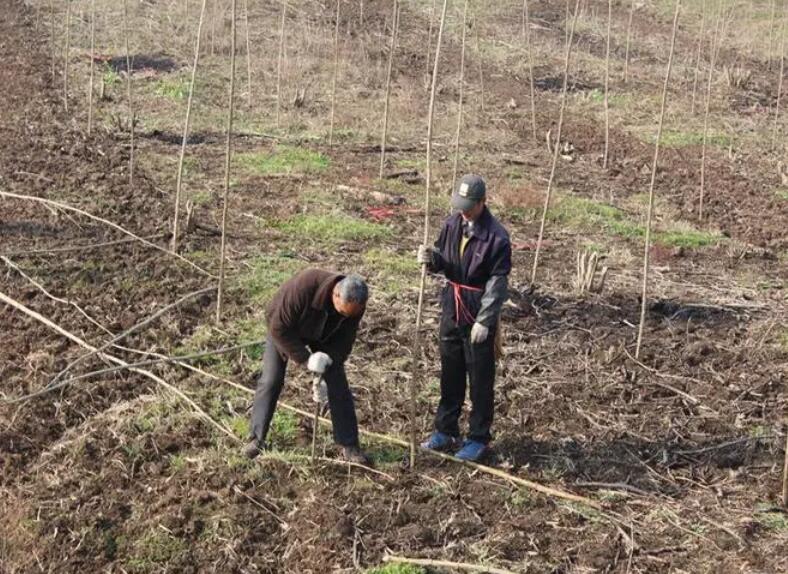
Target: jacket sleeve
496,290
283,325
438,262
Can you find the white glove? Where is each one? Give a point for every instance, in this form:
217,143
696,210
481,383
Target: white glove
424,255
479,333
318,362
319,391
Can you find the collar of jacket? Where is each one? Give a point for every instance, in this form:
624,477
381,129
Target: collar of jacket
481,227
324,291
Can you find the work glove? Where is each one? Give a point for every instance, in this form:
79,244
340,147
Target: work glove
479,333
424,255
318,362
319,391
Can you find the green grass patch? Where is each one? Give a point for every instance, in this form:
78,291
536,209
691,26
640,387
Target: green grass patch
173,88
679,139
395,272
781,194
587,213
154,549
689,238
776,521
109,76
397,568
387,455
266,274
409,163
284,427
598,96
332,228
284,159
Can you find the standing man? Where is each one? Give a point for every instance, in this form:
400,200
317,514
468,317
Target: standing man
312,320
474,253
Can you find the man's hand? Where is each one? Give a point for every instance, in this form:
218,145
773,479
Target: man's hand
319,391
479,333
318,362
424,255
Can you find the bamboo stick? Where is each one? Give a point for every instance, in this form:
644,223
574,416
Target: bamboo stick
248,54
128,91
781,75
92,64
785,474
428,184
453,566
629,38
527,34
67,55
392,49
649,216
697,58
227,162
186,123
479,58
115,226
461,93
607,84
771,34
334,80
279,63
52,38
715,49
548,193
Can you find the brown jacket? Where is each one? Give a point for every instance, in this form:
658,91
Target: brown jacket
302,315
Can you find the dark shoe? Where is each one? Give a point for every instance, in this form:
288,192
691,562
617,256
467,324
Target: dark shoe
472,451
440,441
253,448
356,455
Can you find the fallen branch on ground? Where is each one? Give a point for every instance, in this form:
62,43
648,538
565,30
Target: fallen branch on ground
105,222
158,380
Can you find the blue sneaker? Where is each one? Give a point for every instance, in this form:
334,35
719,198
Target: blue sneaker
440,441
472,451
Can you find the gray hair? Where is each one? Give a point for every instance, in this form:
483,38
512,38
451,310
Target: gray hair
353,289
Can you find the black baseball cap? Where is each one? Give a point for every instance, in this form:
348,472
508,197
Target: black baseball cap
468,192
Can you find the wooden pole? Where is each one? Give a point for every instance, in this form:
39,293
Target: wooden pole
67,54
279,63
479,58
527,34
428,184
649,216
334,79
715,48
128,91
629,38
548,193
607,85
461,93
771,34
52,37
92,64
785,474
248,54
227,162
775,128
392,48
699,53
186,123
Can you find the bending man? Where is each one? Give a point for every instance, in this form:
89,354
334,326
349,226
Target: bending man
474,253
312,320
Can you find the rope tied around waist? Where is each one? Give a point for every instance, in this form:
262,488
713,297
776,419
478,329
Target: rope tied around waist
460,310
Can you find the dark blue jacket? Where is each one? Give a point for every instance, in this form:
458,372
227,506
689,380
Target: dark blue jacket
485,265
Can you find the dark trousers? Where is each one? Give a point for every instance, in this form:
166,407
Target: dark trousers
463,361
269,386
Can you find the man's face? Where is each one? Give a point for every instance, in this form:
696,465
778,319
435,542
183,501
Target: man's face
346,308
474,212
